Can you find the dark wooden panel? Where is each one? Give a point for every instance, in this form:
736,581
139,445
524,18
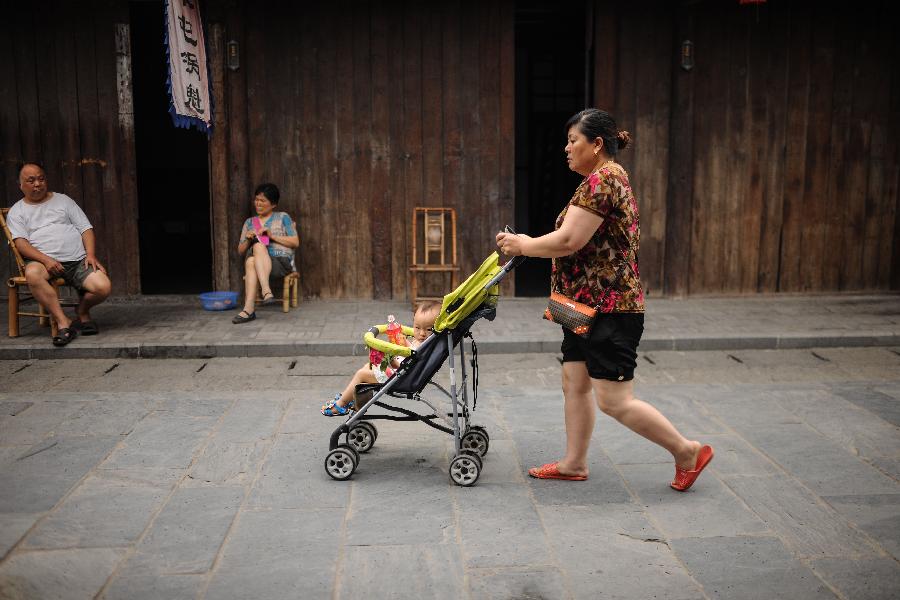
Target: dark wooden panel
222,253
605,39
651,149
889,253
88,159
389,19
308,215
735,146
411,142
27,79
238,161
707,229
836,205
860,238
796,127
382,221
10,147
115,244
680,188
363,187
769,95
818,182
506,203
480,221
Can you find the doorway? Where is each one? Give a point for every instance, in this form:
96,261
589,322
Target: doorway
550,88
172,171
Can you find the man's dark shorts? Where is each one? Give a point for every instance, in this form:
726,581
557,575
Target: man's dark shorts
611,350
74,273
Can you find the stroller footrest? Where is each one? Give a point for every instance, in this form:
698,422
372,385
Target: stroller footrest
365,391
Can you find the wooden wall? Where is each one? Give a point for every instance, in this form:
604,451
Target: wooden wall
359,112
772,165
60,104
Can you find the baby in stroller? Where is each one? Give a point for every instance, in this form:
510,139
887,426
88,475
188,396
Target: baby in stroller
423,320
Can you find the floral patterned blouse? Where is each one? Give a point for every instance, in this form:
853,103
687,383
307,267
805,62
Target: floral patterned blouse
604,273
278,223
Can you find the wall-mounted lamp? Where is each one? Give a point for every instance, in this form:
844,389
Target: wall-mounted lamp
687,55
232,55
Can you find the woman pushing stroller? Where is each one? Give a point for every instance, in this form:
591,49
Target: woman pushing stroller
594,252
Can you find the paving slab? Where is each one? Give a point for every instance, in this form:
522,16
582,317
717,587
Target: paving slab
152,586
884,405
500,527
397,488
431,571
98,513
805,523
876,514
58,574
12,528
530,583
294,477
42,476
852,427
862,579
35,424
821,464
748,567
706,510
271,550
188,532
612,551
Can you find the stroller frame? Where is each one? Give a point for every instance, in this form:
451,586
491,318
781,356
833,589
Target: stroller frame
471,442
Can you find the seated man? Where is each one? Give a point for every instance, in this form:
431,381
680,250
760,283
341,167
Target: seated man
56,239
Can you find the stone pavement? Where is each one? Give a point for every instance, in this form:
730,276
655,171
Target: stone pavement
160,327
203,478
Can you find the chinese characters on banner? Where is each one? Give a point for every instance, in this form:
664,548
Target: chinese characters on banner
189,93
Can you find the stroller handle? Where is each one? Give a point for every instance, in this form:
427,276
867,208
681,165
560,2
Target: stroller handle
512,263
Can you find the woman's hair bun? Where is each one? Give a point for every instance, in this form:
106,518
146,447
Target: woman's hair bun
624,139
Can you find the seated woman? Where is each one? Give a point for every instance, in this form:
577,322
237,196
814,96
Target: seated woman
267,244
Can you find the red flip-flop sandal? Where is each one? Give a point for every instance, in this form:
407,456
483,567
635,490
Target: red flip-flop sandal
551,471
684,479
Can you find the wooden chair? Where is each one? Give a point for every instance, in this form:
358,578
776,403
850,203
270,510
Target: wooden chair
18,291
290,291
429,231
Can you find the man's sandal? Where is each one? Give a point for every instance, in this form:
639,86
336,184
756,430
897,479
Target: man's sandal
333,409
239,319
64,336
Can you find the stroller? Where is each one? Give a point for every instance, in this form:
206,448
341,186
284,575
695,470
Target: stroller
476,298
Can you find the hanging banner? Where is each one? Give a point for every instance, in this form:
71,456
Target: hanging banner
189,92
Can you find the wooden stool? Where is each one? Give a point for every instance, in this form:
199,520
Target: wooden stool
290,294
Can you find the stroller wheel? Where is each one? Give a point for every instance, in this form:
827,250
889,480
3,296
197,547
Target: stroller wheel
476,440
465,469
362,436
341,462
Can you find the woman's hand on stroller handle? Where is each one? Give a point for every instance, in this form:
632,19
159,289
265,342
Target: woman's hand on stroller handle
510,245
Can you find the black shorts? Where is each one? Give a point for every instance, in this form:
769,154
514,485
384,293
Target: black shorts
611,350
281,265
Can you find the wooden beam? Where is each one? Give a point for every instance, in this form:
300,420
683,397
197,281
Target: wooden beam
218,161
